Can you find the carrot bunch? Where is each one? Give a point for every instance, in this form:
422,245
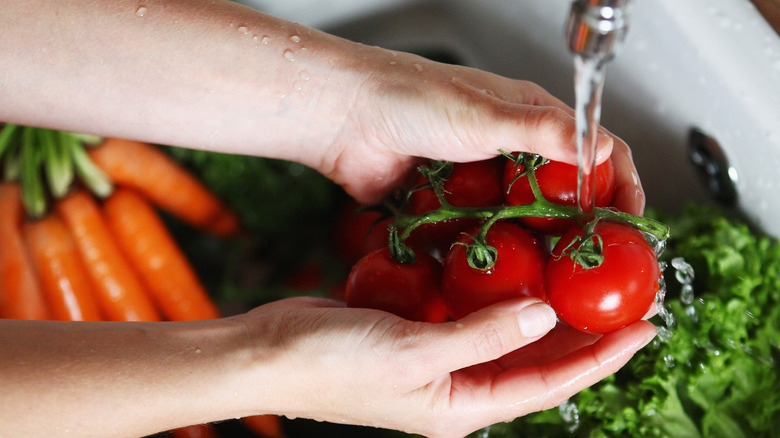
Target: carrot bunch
74,253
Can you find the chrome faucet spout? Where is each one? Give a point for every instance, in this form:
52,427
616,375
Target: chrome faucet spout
597,28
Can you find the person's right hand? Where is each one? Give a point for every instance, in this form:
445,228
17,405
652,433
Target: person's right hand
314,358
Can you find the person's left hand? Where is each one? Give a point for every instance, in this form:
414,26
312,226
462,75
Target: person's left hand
367,367
406,107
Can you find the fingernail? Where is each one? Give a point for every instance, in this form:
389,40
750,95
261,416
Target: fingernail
536,319
603,146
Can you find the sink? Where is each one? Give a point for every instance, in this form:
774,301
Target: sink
697,64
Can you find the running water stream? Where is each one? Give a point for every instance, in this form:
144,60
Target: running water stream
588,86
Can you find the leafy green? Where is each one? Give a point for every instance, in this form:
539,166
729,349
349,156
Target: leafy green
714,372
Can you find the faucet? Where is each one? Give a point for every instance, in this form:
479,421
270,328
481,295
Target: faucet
597,28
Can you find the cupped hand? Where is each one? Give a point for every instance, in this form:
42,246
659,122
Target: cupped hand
367,367
411,107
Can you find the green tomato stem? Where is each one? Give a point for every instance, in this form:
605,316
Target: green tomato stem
540,207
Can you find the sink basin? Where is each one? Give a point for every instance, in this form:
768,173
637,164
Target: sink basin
697,64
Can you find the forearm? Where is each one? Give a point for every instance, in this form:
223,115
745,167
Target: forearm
192,73
132,379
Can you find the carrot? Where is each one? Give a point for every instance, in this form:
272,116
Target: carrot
266,426
196,431
153,252
120,292
150,171
63,276
20,293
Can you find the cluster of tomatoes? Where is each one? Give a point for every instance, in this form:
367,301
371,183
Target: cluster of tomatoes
598,276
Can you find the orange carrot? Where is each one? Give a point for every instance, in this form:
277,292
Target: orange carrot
151,172
196,431
120,292
153,252
265,426
63,276
20,293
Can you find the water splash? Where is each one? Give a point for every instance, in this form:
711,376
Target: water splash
685,275
570,415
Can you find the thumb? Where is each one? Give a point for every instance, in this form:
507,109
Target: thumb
492,332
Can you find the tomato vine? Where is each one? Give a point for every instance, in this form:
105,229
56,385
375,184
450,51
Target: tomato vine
480,253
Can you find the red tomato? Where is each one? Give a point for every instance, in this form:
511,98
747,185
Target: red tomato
616,293
518,271
358,233
475,184
558,183
411,291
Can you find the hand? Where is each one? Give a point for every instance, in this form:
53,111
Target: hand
367,367
411,107
360,115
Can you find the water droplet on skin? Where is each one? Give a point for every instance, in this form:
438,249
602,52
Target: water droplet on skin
417,67
243,29
288,55
141,11
304,75
295,39
393,63
265,39
198,351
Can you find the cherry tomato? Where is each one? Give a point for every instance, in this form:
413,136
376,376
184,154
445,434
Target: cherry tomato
358,233
409,290
474,184
614,294
518,270
558,183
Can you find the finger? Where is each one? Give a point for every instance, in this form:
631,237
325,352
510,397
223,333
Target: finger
301,302
561,341
551,384
487,334
532,121
629,194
